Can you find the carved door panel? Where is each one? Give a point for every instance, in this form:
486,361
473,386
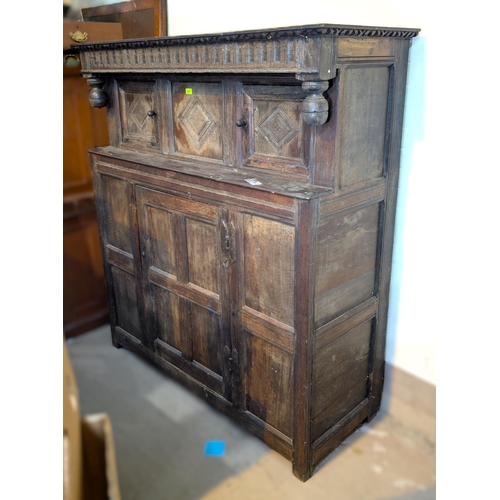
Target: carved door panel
140,112
198,119
184,282
113,199
266,338
274,136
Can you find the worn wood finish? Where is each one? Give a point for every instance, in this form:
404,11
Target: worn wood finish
274,135
198,123
305,250
180,240
346,261
247,245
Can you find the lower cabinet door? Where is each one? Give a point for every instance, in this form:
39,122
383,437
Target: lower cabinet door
185,284
114,202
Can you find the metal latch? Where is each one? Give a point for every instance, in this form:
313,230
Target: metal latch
228,251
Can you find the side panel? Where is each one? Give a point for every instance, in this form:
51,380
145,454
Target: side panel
347,277
346,261
362,132
341,376
354,244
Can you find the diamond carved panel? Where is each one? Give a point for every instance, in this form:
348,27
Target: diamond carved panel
278,128
138,112
136,100
197,122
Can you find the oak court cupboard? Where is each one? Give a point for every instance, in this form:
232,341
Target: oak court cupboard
246,208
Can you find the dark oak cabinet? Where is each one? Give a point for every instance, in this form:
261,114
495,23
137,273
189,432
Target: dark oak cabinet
246,209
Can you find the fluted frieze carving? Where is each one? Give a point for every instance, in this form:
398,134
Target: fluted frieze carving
274,56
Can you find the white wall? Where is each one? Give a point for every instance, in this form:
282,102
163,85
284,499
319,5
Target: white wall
412,327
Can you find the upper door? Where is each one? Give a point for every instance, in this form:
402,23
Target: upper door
141,114
185,284
198,119
274,137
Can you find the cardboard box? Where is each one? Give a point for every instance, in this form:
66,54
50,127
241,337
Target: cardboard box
89,460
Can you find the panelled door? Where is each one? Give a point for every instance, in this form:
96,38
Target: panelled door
274,138
185,284
114,202
141,114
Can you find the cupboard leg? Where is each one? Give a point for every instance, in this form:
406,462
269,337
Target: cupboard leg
303,471
115,342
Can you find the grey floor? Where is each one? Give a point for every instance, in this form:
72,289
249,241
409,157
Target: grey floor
160,431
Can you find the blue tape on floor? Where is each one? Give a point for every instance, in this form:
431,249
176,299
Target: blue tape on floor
215,448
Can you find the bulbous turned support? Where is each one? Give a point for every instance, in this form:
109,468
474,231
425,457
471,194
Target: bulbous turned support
314,108
97,96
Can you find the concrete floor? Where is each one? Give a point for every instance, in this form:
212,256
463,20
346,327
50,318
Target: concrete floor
160,431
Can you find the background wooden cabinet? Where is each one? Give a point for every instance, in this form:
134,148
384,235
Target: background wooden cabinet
84,292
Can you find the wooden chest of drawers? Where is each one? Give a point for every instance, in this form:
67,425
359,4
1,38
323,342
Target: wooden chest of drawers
246,210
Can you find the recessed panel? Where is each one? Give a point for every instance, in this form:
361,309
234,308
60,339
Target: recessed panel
116,206
125,294
202,254
171,318
340,376
198,119
362,123
269,383
346,257
139,114
162,239
206,334
273,138
270,268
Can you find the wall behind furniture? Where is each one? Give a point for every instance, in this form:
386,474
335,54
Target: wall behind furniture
425,253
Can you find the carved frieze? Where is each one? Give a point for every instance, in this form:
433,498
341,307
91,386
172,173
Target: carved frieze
305,50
